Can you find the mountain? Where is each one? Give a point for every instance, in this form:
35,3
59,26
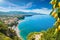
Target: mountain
18,13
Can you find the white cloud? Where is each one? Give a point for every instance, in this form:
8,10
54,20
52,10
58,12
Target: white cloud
42,10
11,5
2,1
14,7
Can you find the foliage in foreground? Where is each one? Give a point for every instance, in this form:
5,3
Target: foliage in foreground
45,35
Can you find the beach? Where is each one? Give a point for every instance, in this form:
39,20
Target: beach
16,29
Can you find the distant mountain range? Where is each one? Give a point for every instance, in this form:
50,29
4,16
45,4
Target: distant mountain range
18,13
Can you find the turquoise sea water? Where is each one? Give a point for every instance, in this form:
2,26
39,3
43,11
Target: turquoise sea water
35,23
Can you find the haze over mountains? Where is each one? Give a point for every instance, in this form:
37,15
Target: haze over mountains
18,13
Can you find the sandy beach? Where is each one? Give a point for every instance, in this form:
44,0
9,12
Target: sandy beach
16,28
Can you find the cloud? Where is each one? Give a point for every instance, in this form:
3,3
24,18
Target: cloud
2,1
10,5
14,7
25,6
42,10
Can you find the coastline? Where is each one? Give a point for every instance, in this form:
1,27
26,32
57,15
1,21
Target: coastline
16,29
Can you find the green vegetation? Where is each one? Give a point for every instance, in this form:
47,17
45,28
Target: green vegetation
45,35
7,33
3,26
20,17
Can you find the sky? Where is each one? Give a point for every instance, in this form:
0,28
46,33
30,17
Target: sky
35,6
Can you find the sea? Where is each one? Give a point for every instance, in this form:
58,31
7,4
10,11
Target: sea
35,23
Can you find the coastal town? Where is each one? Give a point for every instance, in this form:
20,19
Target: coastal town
9,26
9,20
11,23
12,20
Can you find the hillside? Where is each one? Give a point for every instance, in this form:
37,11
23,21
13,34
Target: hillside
7,33
50,34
